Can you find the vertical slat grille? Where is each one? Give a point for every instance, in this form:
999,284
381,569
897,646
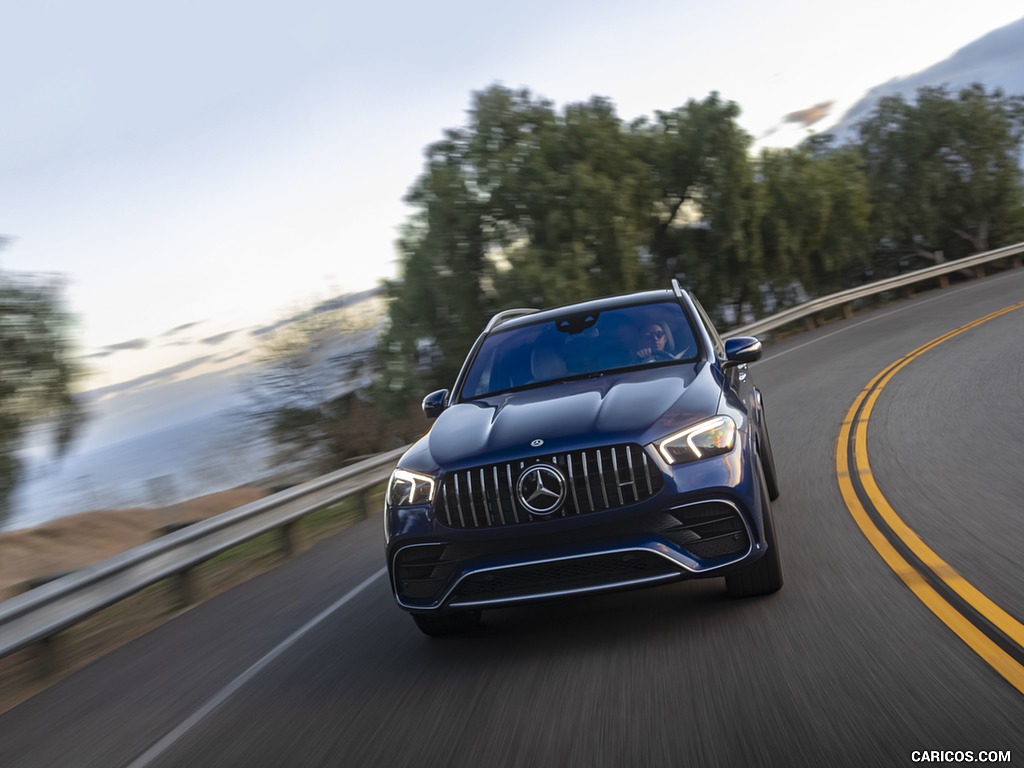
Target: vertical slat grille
497,495
596,479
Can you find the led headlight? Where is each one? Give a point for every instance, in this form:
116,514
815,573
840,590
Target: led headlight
406,488
711,437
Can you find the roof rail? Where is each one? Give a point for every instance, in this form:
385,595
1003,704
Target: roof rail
508,314
677,289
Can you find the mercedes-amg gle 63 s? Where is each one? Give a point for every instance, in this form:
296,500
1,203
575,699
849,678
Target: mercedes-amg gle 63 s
606,445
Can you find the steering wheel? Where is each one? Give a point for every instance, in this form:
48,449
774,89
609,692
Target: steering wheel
658,355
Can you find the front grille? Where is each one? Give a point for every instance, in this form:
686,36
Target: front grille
563,575
597,479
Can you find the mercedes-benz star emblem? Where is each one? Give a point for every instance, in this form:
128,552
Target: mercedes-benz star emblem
537,443
541,489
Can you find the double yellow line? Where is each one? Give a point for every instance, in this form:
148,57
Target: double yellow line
856,424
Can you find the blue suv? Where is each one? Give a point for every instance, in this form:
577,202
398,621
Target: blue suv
606,445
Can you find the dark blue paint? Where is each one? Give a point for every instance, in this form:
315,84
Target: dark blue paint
632,406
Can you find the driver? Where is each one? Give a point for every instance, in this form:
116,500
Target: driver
653,339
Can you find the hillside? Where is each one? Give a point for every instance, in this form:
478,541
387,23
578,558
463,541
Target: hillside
995,60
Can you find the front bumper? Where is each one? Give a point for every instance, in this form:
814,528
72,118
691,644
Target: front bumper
705,521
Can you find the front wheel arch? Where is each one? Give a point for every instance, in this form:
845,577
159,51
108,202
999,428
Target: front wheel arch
764,575
765,453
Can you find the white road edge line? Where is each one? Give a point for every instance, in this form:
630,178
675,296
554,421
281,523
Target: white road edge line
231,688
942,294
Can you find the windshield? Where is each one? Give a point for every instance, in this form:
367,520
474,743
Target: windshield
581,345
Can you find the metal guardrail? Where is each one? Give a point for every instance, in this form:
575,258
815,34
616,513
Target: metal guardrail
42,612
845,299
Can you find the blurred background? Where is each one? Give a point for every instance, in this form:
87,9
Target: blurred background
242,241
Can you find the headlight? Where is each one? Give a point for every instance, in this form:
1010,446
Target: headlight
408,488
711,437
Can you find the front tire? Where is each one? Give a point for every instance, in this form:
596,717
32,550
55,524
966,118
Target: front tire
765,575
446,623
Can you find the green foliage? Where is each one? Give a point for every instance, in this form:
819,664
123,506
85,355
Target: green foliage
814,210
37,370
528,205
944,172
703,215
581,213
443,251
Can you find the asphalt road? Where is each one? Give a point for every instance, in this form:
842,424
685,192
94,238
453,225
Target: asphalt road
313,665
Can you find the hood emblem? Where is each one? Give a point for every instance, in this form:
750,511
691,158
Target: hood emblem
537,443
541,489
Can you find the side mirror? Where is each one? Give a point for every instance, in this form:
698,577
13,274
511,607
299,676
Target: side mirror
434,403
741,350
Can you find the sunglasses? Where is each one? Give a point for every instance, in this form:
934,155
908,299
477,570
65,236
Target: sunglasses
657,335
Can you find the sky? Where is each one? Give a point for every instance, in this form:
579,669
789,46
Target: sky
196,170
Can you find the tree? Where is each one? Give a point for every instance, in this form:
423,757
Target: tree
526,205
309,391
580,208
443,250
703,221
814,213
529,205
296,391
37,370
944,172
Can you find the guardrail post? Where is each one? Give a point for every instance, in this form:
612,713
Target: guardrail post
848,310
288,539
979,271
185,584
46,656
943,281
363,504
1016,261
908,292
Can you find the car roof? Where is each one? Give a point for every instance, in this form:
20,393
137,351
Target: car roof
594,305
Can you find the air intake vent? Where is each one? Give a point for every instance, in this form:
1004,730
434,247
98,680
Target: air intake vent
586,573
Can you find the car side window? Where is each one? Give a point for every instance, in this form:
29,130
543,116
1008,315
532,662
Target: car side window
716,340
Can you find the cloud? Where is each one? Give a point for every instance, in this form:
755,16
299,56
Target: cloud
338,302
133,344
271,328
811,115
995,59
94,355
347,300
182,327
231,356
218,338
264,329
157,377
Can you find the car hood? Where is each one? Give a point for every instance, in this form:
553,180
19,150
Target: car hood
637,406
